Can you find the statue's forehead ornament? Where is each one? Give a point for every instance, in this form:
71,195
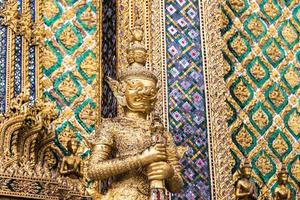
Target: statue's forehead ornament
137,57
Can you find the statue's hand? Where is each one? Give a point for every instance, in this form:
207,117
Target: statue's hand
154,154
159,171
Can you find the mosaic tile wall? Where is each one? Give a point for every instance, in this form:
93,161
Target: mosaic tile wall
186,95
71,67
109,59
3,36
263,80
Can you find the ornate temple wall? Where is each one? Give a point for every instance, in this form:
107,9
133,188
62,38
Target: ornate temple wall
262,78
230,63
71,66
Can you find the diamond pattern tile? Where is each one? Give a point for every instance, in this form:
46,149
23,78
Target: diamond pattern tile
186,95
263,81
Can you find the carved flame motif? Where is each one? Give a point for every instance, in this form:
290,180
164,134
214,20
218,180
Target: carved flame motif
241,92
263,164
239,46
67,88
68,38
289,33
255,27
276,97
244,138
293,122
273,52
10,14
25,25
271,9
280,145
292,77
257,71
50,9
260,118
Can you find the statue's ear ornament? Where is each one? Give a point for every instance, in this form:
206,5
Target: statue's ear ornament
117,89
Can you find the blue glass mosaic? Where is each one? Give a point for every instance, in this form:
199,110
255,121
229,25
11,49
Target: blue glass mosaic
3,36
187,120
18,66
31,72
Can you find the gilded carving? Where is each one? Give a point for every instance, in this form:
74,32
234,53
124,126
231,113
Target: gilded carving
282,192
245,189
10,14
29,161
239,46
146,162
68,38
25,25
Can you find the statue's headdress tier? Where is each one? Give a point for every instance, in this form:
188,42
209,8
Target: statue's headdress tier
137,56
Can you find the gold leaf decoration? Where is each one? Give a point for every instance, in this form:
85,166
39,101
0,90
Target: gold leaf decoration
276,96
87,115
257,71
296,169
67,88
292,77
294,122
271,9
244,139
239,46
289,33
256,27
260,118
68,38
50,9
280,145
241,92
273,52
263,164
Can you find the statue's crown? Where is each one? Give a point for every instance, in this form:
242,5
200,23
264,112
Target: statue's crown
137,56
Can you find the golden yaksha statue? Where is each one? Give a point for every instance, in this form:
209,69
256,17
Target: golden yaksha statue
282,192
245,189
125,151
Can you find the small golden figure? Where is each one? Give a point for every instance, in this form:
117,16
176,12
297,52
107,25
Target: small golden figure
282,192
125,149
71,164
245,189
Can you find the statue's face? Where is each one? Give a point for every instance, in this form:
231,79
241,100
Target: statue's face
283,177
139,56
140,95
247,172
74,146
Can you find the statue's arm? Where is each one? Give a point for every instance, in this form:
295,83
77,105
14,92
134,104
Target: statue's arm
101,168
107,168
239,193
175,183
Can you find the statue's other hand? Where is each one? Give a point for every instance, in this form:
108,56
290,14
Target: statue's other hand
154,154
159,171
